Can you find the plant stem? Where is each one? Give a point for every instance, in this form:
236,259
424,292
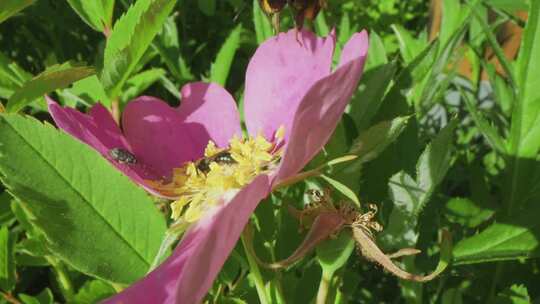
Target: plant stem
115,110
255,272
324,285
10,298
62,277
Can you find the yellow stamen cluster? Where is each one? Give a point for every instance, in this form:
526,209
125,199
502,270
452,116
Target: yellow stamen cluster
199,190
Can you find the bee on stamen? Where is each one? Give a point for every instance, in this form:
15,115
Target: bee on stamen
222,158
122,156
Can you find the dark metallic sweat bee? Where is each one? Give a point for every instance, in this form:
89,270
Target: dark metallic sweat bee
122,156
223,157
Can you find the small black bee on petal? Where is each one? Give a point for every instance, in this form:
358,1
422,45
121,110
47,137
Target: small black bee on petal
122,156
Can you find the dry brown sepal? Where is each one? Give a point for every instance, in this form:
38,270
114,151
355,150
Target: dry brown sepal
327,220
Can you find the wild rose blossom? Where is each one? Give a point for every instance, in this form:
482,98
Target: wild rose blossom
292,104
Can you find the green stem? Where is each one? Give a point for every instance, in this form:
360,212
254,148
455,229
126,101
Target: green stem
62,277
255,272
324,285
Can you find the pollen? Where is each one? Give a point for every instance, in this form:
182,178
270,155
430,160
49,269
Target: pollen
201,184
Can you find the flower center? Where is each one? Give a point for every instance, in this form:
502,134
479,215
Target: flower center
201,184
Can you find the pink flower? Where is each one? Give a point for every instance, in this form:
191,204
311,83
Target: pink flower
289,84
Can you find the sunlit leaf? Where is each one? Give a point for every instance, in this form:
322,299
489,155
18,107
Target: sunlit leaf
130,38
55,77
67,187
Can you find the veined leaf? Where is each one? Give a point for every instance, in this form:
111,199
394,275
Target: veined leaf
131,36
527,114
96,13
55,77
219,71
343,189
9,8
374,140
524,142
504,240
410,196
91,215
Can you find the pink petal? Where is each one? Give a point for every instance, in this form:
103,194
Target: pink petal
188,273
157,135
99,130
322,107
211,106
279,75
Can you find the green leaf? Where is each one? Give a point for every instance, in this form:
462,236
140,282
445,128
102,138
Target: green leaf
44,297
515,294
411,196
92,292
140,82
333,254
509,239
7,260
55,77
167,45
89,90
6,215
219,71
9,8
375,139
452,17
343,189
526,117
409,47
92,216
130,38
510,5
12,77
487,130
435,161
263,28
465,212
96,13
370,95
377,52
406,196
321,26
499,52
524,141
